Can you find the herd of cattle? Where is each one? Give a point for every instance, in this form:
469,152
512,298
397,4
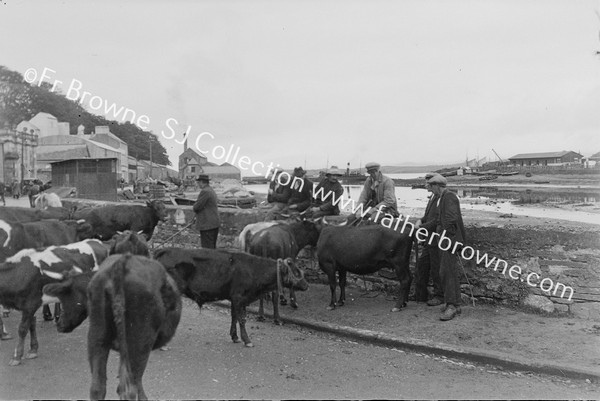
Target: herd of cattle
96,263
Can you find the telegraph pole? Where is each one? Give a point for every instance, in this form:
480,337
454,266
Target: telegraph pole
151,167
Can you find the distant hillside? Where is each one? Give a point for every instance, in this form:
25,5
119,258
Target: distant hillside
417,169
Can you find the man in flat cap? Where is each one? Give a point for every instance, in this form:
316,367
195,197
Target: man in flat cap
300,192
429,258
207,213
328,190
378,193
450,227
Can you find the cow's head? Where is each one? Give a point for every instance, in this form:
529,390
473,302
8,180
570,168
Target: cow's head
159,209
326,223
72,295
129,241
291,275
312,230
83,229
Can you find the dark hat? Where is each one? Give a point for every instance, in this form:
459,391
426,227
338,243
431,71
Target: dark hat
429,175
334,172
372,166
437,179
203,177
298,171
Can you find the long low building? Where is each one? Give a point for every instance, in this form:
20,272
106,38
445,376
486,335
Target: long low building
546,159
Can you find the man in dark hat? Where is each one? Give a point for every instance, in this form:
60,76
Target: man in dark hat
279,194
378,193
207,213
327,192
429,258
300,192
451,229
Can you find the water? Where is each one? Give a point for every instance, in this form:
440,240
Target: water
488,199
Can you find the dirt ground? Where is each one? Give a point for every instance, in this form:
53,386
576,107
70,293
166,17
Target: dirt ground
558,340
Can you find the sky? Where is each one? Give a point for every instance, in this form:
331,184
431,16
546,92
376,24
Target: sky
312,83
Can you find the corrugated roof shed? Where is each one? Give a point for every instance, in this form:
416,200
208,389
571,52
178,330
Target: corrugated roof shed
543,155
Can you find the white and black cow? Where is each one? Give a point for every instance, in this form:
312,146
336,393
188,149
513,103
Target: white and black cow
134,307
23,275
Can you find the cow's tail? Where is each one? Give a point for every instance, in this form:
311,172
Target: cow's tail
126,384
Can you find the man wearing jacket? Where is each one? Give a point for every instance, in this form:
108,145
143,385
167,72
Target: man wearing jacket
429,259
451,229
300,192
207,213
323,204
378,193
278,196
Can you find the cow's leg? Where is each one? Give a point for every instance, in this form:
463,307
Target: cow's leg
342,274
24,326
261,308
329,269
293,302
233,328
46,313
276,317
56,311
3,333
242,320
404,279
139,359
98,356
33,341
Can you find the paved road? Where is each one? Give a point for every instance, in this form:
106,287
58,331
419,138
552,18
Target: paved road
287,362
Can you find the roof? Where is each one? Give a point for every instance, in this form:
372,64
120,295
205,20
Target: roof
49,152
220,170
595,156
542,155
84,158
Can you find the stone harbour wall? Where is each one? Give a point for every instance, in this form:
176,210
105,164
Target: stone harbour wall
570,256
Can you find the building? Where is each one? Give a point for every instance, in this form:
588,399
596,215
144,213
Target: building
193,163
60,147
103,135
91,178
546,159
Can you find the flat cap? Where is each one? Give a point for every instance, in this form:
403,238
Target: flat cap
437,179
429,175
372,166
203,177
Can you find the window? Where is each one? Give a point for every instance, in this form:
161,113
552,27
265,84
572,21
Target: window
193,169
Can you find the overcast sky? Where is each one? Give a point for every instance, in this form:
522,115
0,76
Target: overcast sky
295,82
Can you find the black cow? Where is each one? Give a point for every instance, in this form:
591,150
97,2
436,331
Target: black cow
206,275
15,214
364,250
129,241
282,241
134,307
23,275
108,220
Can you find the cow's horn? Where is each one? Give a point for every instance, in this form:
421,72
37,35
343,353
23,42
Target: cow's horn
140,232
80,221
325,221
119,232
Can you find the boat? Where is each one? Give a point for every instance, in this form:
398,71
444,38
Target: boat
488,177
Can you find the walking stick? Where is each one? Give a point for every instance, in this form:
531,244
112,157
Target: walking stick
177,233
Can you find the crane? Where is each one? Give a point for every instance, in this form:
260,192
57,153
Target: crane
499,158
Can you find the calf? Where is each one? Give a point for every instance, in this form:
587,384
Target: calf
129,241
364,250
134,307
108,220
283,241
46,200
23,275
206,275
